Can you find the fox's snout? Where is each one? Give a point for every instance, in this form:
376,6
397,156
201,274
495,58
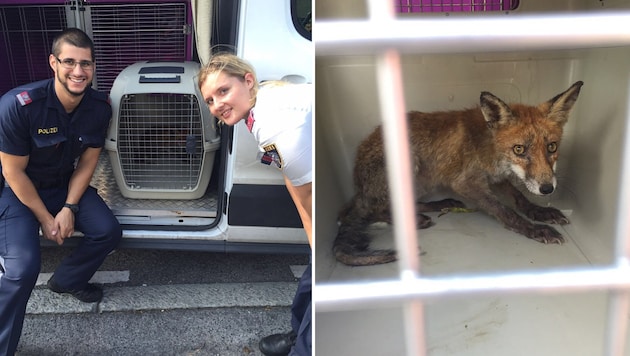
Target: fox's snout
537,188
546,189
544,184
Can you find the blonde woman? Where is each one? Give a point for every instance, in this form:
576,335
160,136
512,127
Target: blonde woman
279,115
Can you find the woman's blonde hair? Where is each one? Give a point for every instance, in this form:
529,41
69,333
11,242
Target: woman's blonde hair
231,65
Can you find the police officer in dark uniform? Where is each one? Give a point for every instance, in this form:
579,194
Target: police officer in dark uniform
51,135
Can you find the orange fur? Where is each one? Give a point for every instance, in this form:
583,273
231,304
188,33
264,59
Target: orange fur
476,153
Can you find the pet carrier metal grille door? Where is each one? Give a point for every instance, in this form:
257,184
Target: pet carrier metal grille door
162,140
159,139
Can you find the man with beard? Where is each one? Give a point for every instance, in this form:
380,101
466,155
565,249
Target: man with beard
51,135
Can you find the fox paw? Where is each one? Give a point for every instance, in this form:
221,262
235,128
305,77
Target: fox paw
545,234
547,215
423,221
439,205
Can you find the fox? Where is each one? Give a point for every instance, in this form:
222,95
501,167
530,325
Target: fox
482,155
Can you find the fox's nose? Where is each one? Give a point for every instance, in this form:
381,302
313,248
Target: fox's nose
546,189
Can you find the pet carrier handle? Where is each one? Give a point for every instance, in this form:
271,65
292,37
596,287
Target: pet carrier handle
145,79
161,70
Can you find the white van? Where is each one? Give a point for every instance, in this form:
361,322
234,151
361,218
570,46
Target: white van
174,178
478,289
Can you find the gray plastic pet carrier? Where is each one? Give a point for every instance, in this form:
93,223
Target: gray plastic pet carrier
162,139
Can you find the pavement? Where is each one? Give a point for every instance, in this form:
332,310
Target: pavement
165,303
163,297
226,319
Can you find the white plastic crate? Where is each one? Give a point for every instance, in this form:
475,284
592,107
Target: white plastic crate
162,139
478,289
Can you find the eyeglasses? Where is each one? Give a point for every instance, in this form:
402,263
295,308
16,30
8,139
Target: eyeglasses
70,63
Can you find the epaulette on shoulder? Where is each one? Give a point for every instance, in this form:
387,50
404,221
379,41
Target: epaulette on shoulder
28,96
24,98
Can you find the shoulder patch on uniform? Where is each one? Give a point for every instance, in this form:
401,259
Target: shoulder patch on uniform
24,98
271,156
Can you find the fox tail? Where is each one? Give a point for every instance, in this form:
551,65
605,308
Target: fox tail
352,244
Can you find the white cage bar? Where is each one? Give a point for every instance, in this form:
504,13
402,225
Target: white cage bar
384,36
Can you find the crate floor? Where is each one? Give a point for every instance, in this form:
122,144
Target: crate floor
474,244
200,211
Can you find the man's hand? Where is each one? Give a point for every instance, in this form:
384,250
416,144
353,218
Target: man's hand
65,221
50,230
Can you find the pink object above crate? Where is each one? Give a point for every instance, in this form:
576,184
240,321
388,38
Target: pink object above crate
409,6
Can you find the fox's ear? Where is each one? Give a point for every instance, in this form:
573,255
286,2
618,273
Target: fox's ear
494,110
560,106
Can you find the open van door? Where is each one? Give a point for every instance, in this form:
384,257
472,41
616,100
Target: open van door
275,38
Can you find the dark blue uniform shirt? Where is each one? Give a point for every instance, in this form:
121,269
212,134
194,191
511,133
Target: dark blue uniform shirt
33,122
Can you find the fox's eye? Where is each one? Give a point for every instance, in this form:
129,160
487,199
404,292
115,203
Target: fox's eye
552,147
519,149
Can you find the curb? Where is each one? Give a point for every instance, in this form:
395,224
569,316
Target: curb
167,297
